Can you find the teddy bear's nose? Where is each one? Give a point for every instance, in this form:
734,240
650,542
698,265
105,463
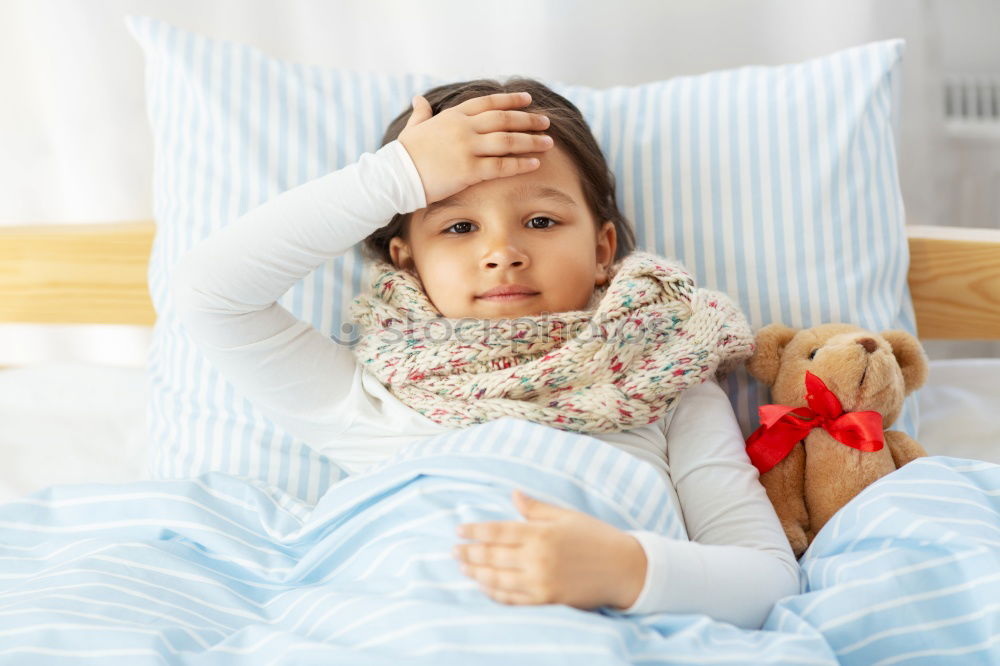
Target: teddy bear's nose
868,344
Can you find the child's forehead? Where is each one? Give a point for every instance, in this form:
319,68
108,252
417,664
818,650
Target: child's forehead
555,176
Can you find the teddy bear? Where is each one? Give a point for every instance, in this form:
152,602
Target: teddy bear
834,371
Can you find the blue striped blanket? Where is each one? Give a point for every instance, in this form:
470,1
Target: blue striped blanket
223,570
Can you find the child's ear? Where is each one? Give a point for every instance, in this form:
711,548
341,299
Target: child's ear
402,258
770,343
607,243
601,277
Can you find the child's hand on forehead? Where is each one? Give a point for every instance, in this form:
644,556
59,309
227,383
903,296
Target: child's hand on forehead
479,139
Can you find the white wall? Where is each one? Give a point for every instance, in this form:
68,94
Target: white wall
76,146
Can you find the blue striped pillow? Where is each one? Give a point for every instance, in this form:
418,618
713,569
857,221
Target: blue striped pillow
777,185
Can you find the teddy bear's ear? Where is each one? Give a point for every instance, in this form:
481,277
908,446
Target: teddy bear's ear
770,342
911,358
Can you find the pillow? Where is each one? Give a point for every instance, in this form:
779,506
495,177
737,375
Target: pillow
777,185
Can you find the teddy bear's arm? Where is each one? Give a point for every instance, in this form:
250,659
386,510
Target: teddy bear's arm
785,486
903,447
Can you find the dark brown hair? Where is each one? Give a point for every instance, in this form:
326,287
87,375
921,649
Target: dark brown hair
568,130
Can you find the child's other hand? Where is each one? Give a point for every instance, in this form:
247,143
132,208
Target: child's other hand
559,556
480,139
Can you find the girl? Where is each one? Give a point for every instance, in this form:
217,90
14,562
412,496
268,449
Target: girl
501,208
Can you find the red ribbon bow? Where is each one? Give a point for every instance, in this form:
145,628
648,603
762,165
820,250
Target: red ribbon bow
782,427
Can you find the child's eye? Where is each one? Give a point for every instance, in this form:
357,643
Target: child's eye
455,225
539,217
542,217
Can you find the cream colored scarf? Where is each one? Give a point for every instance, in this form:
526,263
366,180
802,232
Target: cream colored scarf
645,336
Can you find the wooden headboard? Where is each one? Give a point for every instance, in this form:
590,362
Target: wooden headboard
96,274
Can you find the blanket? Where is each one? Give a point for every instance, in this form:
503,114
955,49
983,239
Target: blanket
223,570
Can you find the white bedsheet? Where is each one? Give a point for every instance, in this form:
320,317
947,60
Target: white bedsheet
70,422
78,422
960,409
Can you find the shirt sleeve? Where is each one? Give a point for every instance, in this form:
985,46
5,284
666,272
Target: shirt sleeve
225,289
738,562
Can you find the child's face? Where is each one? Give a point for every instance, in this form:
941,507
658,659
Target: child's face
491,237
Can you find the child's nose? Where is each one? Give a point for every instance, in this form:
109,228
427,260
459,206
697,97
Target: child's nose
503,255
494,262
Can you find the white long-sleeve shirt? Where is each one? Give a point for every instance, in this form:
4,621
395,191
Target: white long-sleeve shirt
225,291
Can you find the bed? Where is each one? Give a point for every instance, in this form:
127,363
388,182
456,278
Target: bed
108,554
80,424
73,422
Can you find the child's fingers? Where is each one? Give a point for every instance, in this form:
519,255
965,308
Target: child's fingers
421,111
505,143
487,168
501,120
477,105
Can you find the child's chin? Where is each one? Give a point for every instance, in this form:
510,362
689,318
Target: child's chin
494,309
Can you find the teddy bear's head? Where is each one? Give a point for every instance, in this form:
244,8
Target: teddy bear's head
865,370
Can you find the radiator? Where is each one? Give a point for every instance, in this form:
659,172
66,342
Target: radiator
972,142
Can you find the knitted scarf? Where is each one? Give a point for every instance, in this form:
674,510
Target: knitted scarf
646,335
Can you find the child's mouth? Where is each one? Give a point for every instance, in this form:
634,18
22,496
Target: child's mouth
507,297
